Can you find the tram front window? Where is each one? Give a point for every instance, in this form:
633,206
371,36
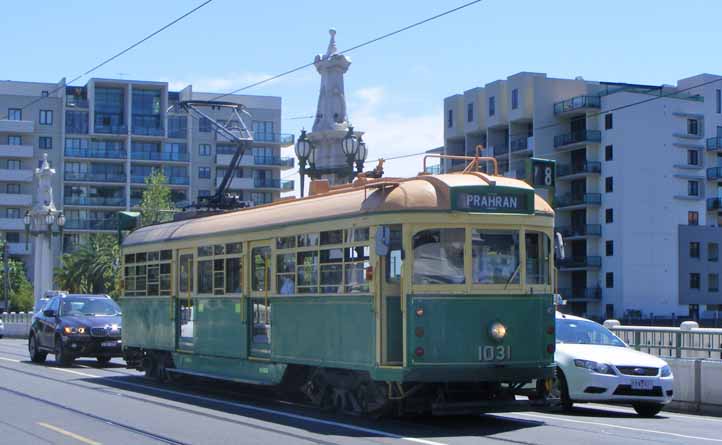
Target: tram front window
538,251
439,256
495,256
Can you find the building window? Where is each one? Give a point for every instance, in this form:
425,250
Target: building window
13,212
12,189
15,114
713,282
694,280
204,149
45,142
609,216
514,98
608,153
694,249
44,93
692,157
15,140
609,280
693,127
609,248
204,193
609,184
204,125
450,118
713,252
692,188
718,101
608,121
492,106
12,237
204,172
470,112
46,117
692,218
14,164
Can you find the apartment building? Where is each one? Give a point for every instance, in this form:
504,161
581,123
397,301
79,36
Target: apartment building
638,192
105,137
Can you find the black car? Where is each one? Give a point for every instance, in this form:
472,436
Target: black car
74,325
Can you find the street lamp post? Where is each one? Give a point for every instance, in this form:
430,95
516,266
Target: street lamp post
304,150
50,219
350,147
361,155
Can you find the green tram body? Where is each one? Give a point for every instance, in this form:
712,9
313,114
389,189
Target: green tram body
420,342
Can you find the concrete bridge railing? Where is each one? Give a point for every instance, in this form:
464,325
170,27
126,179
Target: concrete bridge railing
17,324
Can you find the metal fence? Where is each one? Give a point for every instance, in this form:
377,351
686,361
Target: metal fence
686,341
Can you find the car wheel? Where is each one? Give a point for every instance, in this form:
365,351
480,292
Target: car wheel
62,357
560,390
36,356
103,359
647,409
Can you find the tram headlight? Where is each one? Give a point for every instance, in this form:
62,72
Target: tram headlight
497,331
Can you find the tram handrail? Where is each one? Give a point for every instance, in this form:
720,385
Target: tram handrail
474,161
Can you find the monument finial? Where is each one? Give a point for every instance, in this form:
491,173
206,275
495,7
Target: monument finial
332,43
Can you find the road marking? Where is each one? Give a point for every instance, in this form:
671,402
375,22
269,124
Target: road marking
10,360
77,437
629,428
73,372
672,414
284,414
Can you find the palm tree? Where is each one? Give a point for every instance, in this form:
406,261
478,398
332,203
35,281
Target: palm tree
93,268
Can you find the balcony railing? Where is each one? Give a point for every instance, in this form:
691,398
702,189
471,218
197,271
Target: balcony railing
287,186
519,143
159,156
91,224
111,129
500,149
572,199
94,177
580,262
273,160
589,293
148,131
95,153
714,203
72,102
276,138
581,230
574,169
114,201
577,103
267,183
714,173
714,143
172,180
434,169
577,137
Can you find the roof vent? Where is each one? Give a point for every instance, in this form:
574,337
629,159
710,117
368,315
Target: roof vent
318,186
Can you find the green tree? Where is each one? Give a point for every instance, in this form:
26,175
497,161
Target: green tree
156,205
20,291
93,268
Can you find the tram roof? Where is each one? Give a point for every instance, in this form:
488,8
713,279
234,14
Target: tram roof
421,193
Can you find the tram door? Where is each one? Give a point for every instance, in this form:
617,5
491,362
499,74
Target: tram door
390,300
185,316
259,322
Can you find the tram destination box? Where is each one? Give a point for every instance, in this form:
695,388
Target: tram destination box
493,199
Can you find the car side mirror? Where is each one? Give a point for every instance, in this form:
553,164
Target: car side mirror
559,246
49,313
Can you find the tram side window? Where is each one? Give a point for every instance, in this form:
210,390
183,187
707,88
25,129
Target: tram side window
148,273
356,261
205,277
286,273
538,250
395,257
439,256
495,256
220,270
260,264
307,272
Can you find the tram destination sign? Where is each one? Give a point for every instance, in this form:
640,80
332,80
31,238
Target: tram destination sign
492,199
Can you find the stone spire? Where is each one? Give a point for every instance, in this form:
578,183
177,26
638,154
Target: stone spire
331,109
45,186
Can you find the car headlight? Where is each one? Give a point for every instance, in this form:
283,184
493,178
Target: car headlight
599,368
71,330
666,371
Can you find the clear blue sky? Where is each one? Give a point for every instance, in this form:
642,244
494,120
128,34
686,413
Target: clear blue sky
395,87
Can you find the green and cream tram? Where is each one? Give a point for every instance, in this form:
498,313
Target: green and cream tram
427,294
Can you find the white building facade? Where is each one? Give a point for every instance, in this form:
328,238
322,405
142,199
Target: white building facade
638,182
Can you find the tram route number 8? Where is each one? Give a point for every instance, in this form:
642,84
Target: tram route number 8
489,353
542,173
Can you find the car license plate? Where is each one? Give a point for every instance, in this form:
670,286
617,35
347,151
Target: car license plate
109,344
642,384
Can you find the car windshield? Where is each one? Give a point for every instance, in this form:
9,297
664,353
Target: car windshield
89,307
585,332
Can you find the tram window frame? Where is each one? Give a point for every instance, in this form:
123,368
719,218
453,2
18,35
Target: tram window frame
215,261
543,250
514,278
396,255
443,263
151,277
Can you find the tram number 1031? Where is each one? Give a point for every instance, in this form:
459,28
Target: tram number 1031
498,353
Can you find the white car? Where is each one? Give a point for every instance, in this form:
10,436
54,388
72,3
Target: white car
594,365
2,328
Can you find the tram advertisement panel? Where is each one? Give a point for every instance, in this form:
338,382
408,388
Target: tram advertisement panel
493,199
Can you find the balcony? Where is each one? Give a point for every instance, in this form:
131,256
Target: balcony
237,183
287,186
714,144
714,173
433,169
72,102
273,160
15,199
268,183
18,249
274,138
16,151
578,169
110,201
13,224
582,199
158,156
580,230
576,294
9,175
95,177
577,105
171,180
12,126
569,140
500,150
95,152
111,129
714,203
580,262
521,143
91,224
148,131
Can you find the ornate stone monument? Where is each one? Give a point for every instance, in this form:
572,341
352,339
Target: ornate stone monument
331,124
42,216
